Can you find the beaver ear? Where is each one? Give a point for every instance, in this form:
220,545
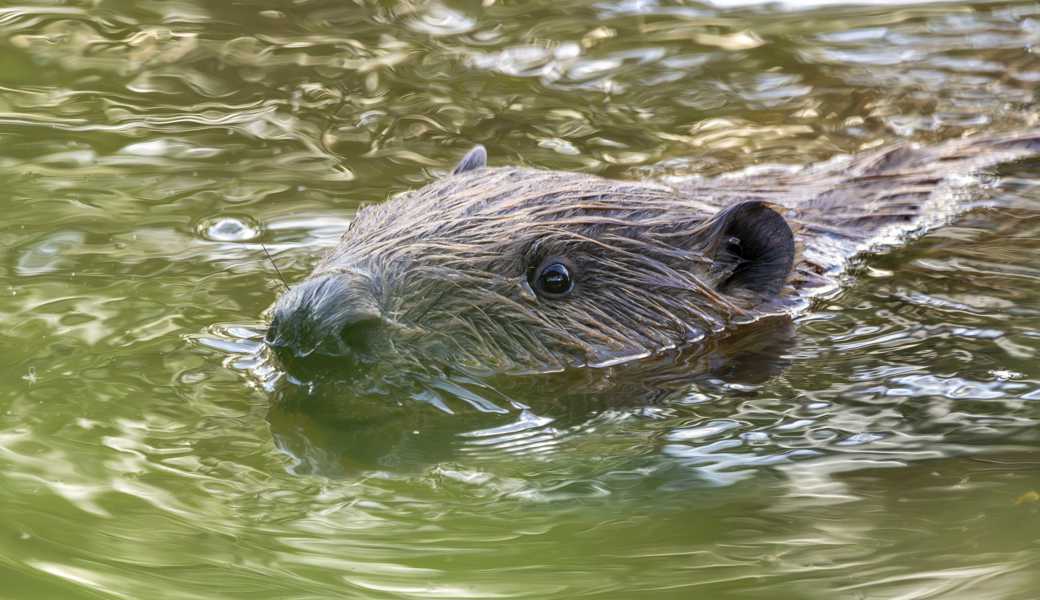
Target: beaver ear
474,159
754,246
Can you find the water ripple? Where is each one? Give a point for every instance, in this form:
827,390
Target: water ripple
883,445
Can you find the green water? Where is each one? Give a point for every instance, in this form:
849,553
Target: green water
886,447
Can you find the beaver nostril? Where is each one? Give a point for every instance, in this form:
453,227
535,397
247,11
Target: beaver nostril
329,315
360,335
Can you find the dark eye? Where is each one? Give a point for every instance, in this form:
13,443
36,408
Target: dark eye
554,280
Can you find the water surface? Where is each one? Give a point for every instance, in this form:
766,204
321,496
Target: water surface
885,445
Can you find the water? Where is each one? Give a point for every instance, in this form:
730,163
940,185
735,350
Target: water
884,446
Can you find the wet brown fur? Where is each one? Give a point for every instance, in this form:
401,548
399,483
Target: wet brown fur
442,269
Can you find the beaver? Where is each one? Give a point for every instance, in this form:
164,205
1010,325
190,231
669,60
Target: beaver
510,270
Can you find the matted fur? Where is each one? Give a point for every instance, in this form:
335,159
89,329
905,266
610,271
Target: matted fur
441,275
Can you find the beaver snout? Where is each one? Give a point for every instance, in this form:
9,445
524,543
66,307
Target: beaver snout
325,316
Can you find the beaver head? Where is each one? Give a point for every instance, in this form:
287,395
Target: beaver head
521,270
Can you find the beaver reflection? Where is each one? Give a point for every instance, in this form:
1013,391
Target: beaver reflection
339,426
511,270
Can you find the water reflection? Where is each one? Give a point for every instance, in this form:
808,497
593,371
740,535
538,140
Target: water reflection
887,450
343,425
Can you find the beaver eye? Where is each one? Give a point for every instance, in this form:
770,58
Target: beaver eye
555,280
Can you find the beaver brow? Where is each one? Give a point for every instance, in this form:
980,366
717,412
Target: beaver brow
568,234
621,204
593,220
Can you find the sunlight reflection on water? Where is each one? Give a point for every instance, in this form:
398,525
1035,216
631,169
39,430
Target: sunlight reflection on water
885,446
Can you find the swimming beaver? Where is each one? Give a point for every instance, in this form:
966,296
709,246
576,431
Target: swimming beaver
512,270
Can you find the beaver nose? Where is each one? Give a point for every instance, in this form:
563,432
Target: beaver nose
327,315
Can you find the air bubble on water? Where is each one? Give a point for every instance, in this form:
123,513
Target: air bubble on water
229,229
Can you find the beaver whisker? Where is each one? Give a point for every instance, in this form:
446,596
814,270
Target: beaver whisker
638,305
491,343
539,347
615,330
270,258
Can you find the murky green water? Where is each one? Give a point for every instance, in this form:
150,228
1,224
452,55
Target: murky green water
885,447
